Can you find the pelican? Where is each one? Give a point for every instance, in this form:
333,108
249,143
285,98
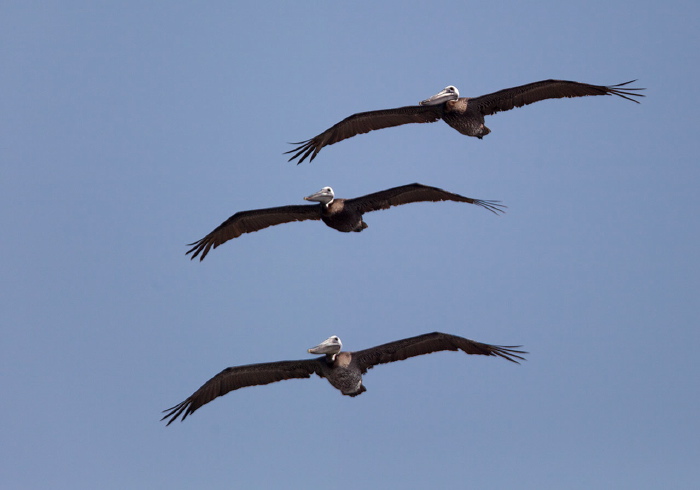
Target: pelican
343,370
465,114
341,214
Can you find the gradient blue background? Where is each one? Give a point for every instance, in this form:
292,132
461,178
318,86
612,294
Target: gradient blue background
129,130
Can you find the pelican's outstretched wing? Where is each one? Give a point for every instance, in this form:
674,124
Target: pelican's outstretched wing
425,344
364,122
249,221
406,194
509,98
237,377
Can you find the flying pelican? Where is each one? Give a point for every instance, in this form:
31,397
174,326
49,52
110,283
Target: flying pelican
343,370
464,114
341,214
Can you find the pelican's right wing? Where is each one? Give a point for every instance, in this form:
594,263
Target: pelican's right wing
406,194
428,343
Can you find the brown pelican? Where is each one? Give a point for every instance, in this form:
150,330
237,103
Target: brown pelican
343,370
464,114
341,214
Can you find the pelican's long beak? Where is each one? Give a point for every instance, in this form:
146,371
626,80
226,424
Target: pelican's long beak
325,196
448,93
331,345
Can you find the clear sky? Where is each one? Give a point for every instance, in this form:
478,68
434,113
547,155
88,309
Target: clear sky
130,130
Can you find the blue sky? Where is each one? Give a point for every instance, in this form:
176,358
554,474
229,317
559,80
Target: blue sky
131,130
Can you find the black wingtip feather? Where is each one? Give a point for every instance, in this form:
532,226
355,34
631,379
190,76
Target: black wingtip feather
307,147
173,413
494,206
509,352
626,94
197,248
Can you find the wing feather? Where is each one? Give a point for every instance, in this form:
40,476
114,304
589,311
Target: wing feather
234,378
406,194
364,122
428,343
250,221
507,99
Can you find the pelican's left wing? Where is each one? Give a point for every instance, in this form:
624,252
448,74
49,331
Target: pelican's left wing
237,377
364,122
250,221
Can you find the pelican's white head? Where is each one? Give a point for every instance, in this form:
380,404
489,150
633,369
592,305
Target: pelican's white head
331,345
324,196
448,93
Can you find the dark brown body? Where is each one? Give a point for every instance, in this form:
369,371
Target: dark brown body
341,217
343,373
464,117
